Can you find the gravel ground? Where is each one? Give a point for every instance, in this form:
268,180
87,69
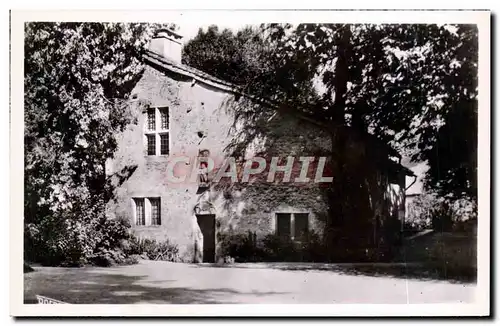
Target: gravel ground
162,282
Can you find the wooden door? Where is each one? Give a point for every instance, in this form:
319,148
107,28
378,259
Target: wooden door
207,227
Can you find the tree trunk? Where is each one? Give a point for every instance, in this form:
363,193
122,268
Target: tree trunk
336,194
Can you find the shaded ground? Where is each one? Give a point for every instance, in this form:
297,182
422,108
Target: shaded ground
162,282
442,255
427,271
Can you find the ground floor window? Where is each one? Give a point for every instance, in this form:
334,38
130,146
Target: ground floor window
294,226
155,211
147,210
139,211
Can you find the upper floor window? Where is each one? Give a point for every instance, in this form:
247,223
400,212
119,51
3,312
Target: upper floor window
164,144
157,131
164,118
151,119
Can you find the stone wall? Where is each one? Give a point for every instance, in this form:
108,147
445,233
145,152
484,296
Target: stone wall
196,110
205,118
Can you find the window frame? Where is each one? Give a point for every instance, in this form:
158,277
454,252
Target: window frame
136,200
157,220
147,211
162,134
307,227
292,236
158,131
148,120
164,111
288,217
148,138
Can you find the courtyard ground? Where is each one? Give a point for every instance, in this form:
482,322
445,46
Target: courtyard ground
153,282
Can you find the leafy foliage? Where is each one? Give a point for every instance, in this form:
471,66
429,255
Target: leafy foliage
77,80
225,55
250,60
453,156
70,241
241,247
76,75
430,210
412,86
155,250
271,248
419,211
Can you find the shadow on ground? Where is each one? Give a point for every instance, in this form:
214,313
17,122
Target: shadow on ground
437,256
417,271
86,286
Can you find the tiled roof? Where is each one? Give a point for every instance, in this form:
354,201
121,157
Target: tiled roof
197,74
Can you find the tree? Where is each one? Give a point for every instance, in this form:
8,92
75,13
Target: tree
412,86
77,80
223,54
393,81
250,60
452,157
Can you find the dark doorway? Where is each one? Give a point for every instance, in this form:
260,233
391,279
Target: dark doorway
207,227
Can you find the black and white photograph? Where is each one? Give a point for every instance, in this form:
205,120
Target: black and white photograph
214,162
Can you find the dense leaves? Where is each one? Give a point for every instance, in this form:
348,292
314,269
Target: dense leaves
413,87
453,155
272,248
77,80
248,59
234,58
76,77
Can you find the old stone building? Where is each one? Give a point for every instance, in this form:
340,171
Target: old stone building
182,112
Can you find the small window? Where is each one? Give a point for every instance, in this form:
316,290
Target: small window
283,228
294,226
164,146
155,211
151,119
164,118
147,211
140,215
157,131
301,226
151,144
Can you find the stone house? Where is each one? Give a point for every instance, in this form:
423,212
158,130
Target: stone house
182,112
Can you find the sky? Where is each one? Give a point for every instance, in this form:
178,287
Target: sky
189,31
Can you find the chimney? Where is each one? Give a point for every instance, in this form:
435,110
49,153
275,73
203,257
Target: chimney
167,44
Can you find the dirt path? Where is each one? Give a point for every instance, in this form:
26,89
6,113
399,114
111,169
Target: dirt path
162,282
